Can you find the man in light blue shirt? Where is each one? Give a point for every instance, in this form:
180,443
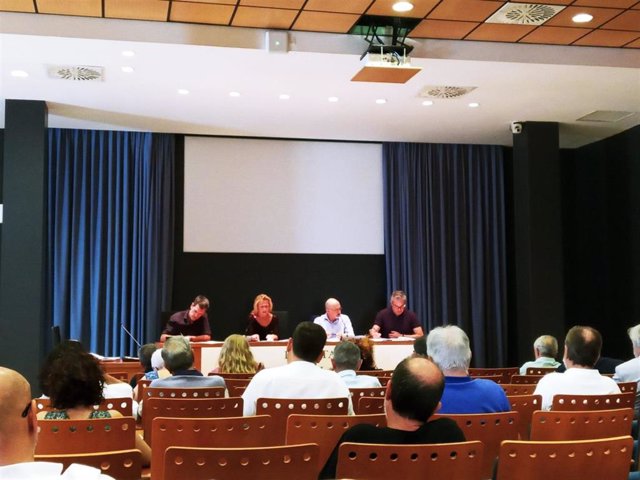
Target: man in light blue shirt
545,349
346,360
337,325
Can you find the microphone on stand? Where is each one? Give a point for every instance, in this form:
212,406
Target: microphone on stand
130,336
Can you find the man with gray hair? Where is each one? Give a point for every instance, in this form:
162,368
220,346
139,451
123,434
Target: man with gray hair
448,347
346,361
335,323
178,359
545,350
630,371
396,320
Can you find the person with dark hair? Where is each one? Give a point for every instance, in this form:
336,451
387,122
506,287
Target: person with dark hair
346,361
365,344
420,346
178,359
19,432
73,380
193,323
301,377
413,395
582,347
395,320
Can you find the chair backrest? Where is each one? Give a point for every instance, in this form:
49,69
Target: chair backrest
325,430
384,380
410,462
234,432
236,386
357,393
530,379
120,464
540,370
581,425
376,373
493,378
85,436
593,402
525,405
122,405
518,388
122,376
628,387
281,408
291,461
178,392
489,428
142,385
233,376
369,405
505,372
188,408
608,459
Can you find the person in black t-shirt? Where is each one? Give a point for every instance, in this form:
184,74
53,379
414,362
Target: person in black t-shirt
413,395
192,323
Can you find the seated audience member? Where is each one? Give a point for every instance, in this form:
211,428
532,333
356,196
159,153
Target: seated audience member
236,357
449,348
346,360
301,377
145,352
582,347
178,359
263,324
365,344
420,346
395,320
335,323
19,432
73,380
193,323
545,350
412,396
629,371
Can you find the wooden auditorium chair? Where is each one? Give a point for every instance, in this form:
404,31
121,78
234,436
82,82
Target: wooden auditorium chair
580,425
369,406
593,402
118,464
122,405
518,388
505,372
525,405
357,393
451,461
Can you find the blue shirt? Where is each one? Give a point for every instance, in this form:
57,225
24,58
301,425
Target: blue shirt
342,325
467,395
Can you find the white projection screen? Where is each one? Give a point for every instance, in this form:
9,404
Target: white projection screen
282,196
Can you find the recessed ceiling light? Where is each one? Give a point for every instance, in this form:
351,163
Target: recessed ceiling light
381,101
582,18
127,69
128,53
19,73
284,96
333,99
402,7
183,91
474,105
234,94
427,103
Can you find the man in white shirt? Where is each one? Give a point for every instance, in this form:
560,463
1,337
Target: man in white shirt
337,325
582,347
630,371
301,377
346,360
545,350
18,435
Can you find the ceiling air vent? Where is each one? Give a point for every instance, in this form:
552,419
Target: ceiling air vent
524,13
77,72
445,91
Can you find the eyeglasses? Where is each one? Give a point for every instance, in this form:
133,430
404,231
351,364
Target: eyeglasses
26,410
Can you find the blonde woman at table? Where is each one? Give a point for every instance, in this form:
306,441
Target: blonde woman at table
236,357
263,324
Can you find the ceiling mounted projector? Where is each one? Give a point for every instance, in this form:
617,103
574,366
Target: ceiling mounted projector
386,64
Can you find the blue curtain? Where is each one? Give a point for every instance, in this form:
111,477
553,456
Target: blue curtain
445,239
110,240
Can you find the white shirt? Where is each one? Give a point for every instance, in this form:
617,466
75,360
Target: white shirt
352,380
575,381
297,379
50,471
120,390
341,325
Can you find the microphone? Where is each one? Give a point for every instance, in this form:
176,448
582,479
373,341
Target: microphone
130,336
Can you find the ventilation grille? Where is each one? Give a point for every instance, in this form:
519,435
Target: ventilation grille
524,13
607,116
78,72
445,91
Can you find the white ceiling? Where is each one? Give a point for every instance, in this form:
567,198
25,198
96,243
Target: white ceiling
514,82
